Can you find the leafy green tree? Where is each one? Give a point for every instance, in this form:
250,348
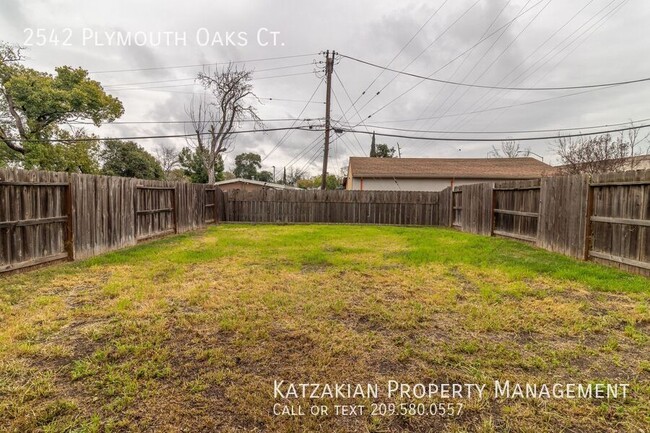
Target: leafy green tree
265,176
33,104
127,159
383,151
380,150
73,152
192,163
332,182
7,157
247,165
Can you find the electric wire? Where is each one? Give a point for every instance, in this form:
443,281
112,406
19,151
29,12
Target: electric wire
202,64
475,139
194,78
288,133
480,103
147,137
465,58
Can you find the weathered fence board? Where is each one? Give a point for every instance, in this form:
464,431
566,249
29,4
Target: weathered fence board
155,210
620,219
563,214
34,218
354,207
103,215
516,209
476,213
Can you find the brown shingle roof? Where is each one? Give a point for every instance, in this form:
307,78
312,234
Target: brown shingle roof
484,168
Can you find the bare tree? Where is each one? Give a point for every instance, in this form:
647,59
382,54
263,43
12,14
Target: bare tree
592,155
294,175
216,117
509,149
167,156
634,142
10,118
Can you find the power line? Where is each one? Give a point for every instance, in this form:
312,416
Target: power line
481,86
197,84
194,77
521,131
481,103
163,122
396,56
147,137
502,107
344,140
293,100
467,89
306,149
595,26
494,61
315,156
422,52
474,139
458,68
286,134
201,64
345,118
454,59
344,113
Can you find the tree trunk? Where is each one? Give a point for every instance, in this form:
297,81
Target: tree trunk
211,175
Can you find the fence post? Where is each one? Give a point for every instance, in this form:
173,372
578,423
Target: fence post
216,207
69,242
589,212
174,209
493,217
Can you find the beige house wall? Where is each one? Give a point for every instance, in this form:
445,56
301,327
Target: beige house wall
399,184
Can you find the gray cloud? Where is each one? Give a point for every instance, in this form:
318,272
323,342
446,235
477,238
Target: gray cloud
372,30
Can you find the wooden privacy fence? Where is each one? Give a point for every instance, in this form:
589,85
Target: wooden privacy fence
619,220
46,217
604,218
516,210
351,207
35,219
154,211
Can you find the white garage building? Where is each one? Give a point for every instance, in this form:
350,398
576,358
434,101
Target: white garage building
436,174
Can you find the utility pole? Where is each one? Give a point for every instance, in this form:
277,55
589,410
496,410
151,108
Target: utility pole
399,151
329,69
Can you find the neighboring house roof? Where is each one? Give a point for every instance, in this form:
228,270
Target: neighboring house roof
459,168
256,182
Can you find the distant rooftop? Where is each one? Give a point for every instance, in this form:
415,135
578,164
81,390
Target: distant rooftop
459,168
256,182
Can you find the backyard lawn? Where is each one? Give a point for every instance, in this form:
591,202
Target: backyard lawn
189,333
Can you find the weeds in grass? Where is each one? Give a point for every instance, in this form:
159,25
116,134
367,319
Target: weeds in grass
189,332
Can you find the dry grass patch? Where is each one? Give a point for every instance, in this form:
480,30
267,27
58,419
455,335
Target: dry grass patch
189,333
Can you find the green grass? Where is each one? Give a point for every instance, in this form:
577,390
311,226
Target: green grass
188,333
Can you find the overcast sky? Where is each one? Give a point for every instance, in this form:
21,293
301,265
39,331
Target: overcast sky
554,43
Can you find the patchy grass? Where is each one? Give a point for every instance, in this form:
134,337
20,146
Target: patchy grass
189,333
